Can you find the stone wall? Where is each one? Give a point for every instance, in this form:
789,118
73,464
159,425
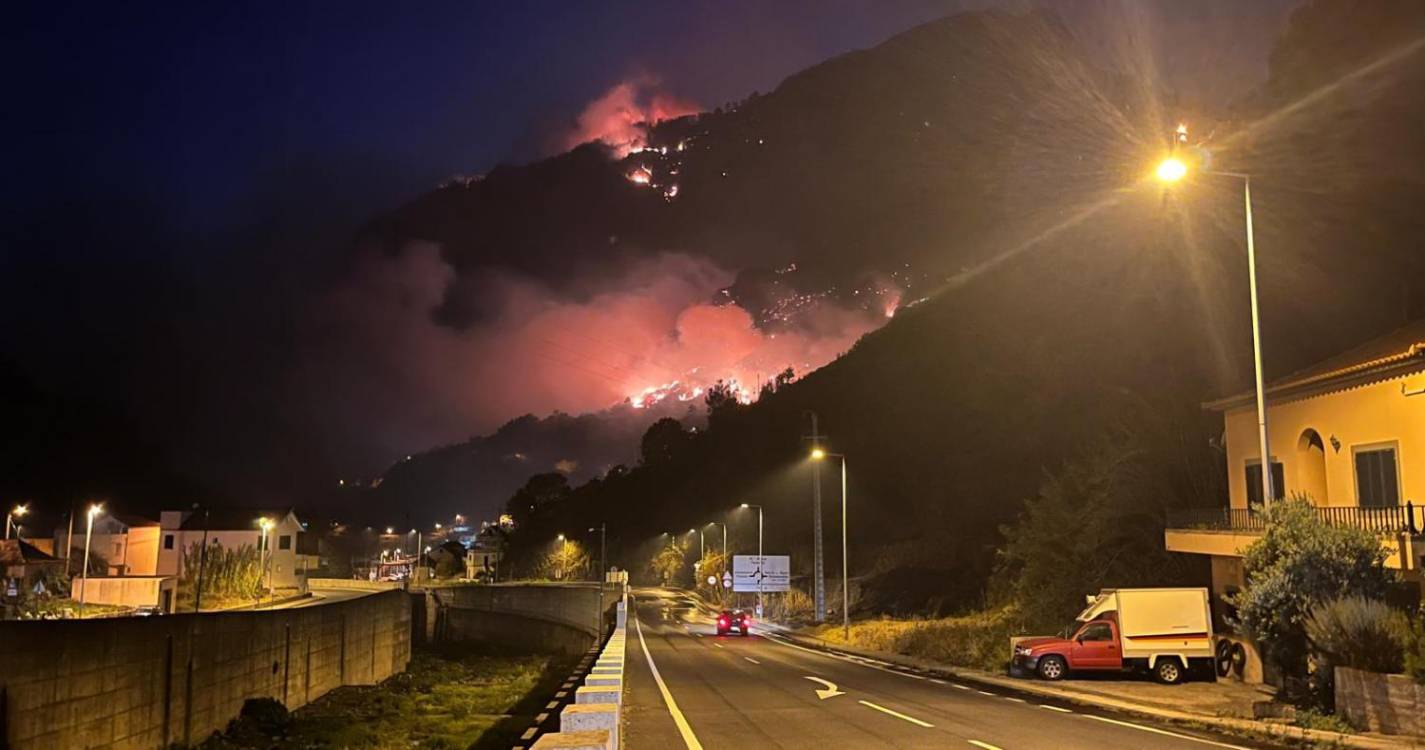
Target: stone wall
1386,703
148,682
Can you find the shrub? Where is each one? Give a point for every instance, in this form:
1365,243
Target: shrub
1358,633
1299,562
1415,650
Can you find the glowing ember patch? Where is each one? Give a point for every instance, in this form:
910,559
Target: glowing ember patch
641,176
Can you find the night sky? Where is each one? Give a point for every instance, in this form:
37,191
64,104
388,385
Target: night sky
183,181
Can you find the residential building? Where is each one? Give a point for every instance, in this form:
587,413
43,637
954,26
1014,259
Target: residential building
127,544
20,562
1347,433
292,550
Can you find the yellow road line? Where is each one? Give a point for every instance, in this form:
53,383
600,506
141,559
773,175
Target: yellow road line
689,739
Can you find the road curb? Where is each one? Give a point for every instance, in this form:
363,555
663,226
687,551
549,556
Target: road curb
1236,725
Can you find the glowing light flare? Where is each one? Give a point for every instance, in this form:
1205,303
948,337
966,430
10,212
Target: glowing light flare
1171,170
641,176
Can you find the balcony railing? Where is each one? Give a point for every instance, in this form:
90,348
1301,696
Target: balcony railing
1390,519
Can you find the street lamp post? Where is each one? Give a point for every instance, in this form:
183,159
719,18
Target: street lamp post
94,510
19,511
603,569
818,454
1172,170
266,524
760,559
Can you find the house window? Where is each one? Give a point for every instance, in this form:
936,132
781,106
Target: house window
284,541
168,541
1377,483
1254,482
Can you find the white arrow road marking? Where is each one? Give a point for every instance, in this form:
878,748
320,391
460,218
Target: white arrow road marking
831,690
1165,732
897,714
982,745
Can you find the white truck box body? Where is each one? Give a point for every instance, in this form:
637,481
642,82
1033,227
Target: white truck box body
1158,621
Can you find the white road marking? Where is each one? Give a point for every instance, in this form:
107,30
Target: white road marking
958,686
1016,700
897,714
831,691
839,657
938,681
992,695
1163,732
982,745
550,706
719,645
1055,708
689,739
754,661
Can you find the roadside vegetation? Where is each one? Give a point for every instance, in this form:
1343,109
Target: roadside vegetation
448,698
979,640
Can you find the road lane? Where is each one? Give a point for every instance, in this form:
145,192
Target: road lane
751,691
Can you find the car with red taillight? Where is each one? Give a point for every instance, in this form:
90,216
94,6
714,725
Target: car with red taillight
733,619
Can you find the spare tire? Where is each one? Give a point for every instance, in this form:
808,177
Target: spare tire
1239,659
1223,657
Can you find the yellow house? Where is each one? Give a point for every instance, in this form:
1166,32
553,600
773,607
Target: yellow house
1349,433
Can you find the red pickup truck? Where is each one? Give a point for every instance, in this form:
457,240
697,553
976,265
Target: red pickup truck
1164,632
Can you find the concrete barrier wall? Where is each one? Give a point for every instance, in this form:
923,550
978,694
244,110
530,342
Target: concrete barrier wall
327,584
592,722
574,606
1385,703
149,682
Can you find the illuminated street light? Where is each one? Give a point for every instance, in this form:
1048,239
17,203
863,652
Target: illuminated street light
818,454
94,511
1172,170
19,511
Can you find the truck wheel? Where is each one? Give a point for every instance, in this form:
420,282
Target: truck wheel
1168,671
1053,667
1224,658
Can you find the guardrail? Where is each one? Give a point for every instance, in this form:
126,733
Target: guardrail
1390,519
591,722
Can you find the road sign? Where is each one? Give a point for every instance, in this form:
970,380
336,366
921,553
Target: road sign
712,580
766,573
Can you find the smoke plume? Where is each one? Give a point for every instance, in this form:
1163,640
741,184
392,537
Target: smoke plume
374,347
619,118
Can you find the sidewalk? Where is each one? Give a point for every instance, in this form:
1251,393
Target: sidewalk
1225,706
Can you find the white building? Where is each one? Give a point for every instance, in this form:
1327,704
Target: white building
293,551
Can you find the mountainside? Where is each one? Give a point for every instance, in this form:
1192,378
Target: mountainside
1057,296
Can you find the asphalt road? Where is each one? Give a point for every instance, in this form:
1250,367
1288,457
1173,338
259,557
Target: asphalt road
688,687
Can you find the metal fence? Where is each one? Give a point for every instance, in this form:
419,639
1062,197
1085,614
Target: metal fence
1389,519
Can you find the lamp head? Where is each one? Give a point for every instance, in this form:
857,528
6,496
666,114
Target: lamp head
21,510
817,454
745,505
95,510
1171,169
265,523
561,537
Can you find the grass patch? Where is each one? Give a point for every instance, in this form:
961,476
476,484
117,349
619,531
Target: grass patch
979,640
449,698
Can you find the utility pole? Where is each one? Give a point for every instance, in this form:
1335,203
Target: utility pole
603,550
818,568
69,542
202,561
